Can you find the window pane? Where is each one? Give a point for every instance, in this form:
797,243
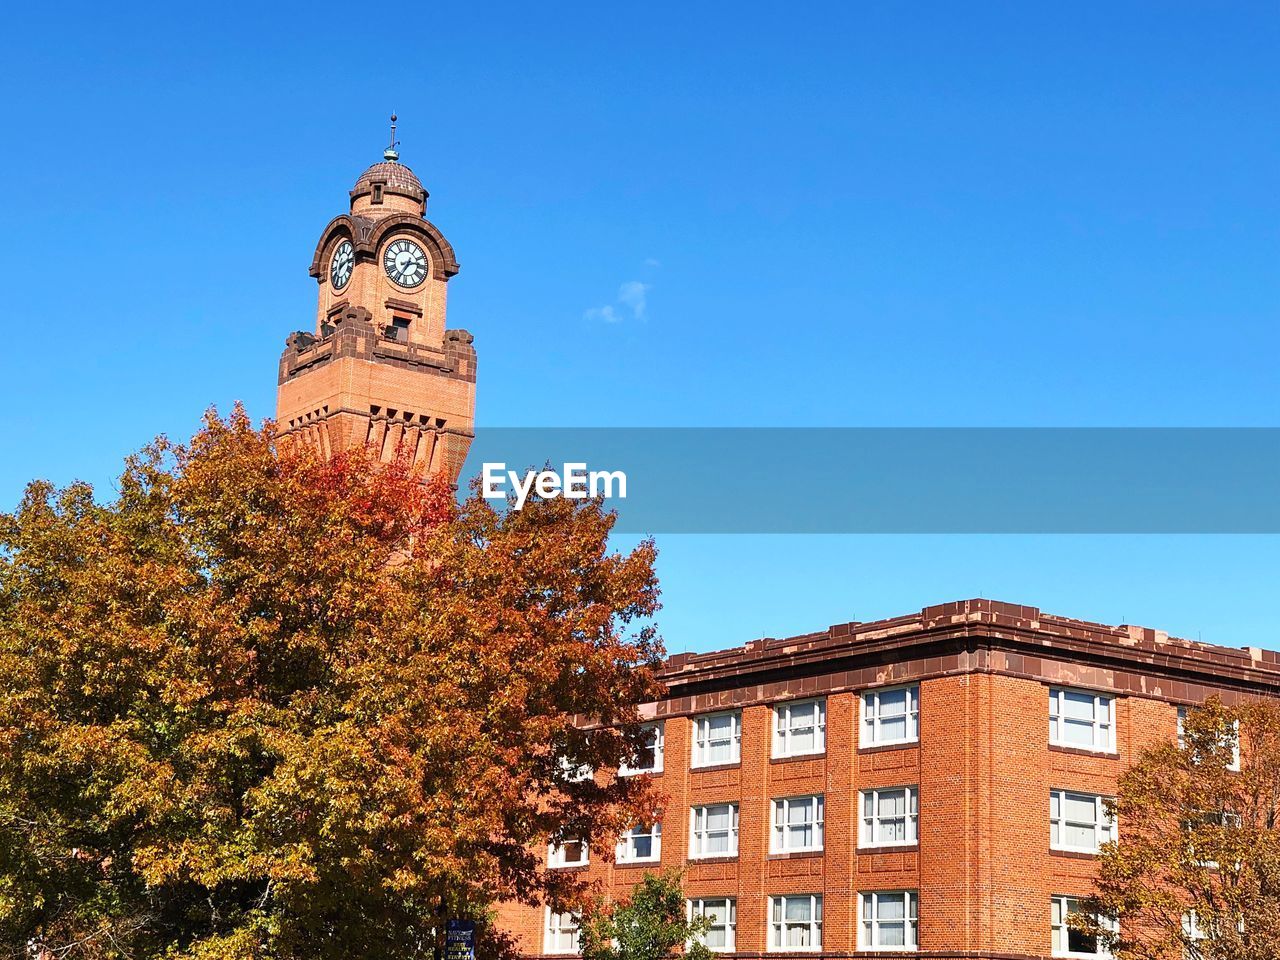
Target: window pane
1078,836
893,702
892,906
1077,733
892,935
893,728
893,803
1077,706
1078,942
798,908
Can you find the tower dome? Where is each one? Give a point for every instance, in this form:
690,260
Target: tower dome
385,180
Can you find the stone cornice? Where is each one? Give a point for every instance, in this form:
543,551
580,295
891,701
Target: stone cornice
993,637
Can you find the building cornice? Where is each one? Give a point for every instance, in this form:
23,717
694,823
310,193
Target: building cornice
981,635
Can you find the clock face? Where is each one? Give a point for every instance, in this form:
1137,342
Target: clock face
340,269
405,263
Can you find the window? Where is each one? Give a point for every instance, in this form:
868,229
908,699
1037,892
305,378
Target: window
713,831
640,844
800,728
398,330
797,824
1082,720
1078,821
889,817
795,923
1194,930
1069,942
717,739
570,853
891,716
377,193
722,913
1235,744
562,932
575,774
1206,832
650,760
888,920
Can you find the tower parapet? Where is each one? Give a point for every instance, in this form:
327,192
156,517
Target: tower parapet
380,367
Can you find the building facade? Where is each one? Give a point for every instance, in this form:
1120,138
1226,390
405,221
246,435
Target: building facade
930,783
380,367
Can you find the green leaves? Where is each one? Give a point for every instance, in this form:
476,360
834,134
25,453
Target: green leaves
651,924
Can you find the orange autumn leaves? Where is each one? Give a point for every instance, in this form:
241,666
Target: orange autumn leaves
1196,870
268,705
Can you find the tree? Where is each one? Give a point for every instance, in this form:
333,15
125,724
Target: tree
267,705
1196,870
650,924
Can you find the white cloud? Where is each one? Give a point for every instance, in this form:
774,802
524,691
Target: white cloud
605,313
631,300
632,294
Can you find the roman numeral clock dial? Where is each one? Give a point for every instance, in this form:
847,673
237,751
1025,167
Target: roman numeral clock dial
405,263
340,269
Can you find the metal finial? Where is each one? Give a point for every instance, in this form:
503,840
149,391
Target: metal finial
390,152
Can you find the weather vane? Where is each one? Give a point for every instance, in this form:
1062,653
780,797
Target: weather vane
390,152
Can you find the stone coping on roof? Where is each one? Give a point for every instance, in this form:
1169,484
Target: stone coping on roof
986,623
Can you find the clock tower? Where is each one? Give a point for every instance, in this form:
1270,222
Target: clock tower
380,367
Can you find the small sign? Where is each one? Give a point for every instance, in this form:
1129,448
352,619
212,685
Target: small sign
460,940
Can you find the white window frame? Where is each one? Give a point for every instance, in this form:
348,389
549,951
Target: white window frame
1192,930
1104,828
873,717
779,924
1059,930
1104,732
869,825
1234,765
576,774
698,831
1223,818
784,726
627,844
655,752
552,933
869,921
702,739
697,908
780,832
556,859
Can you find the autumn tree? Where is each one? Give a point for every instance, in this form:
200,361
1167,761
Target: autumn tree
266,705
1196,870
651,923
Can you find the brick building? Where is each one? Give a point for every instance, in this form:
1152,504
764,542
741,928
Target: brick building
930,783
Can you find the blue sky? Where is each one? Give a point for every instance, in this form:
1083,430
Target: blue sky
815,214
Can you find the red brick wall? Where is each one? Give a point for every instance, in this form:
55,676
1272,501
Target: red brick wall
983,867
